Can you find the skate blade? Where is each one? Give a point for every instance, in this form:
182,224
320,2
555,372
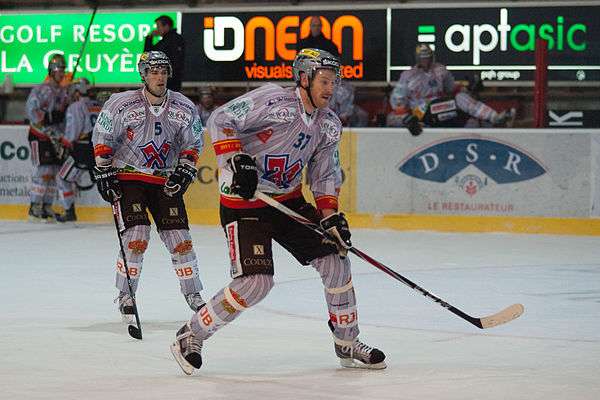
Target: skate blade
38,220
351,363
186,367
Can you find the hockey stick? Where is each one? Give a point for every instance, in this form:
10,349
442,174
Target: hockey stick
134,332
501,317
82,48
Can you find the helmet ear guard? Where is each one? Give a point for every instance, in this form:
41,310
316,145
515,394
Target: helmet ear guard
154,59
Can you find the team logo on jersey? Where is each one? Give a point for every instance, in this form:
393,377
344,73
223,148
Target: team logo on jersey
279,171
265,135
501,162
156,157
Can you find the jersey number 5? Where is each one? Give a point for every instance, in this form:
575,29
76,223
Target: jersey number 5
157,128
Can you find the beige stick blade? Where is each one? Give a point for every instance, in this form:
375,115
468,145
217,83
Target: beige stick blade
502,317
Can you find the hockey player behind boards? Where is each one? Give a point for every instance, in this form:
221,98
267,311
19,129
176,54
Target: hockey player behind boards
45,109
264,139
146,144
428,94
81,116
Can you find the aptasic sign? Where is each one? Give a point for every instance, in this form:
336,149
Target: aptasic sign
255,46
499,43
113,47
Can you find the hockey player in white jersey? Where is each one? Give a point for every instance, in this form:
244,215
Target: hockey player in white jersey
146,144
80,119
45,109
265,139
428,93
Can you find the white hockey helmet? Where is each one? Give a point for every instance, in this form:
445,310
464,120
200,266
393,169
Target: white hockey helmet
422,51
311,60
81,85
154,59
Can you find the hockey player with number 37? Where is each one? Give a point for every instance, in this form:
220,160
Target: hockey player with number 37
146,144
263,140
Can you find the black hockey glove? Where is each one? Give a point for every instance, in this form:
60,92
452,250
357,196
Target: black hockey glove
179,180
107,182
54,117
60,149
412,124
245,175
337,227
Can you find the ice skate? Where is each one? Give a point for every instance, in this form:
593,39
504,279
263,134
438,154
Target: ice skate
506,118
36,213
48,213
356,354
126,308
186,349
195,301
67,216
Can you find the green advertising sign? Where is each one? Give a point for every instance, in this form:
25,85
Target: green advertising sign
114,44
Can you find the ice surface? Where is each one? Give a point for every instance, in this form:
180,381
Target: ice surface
61,336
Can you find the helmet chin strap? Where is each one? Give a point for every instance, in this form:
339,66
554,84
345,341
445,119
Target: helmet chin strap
309,94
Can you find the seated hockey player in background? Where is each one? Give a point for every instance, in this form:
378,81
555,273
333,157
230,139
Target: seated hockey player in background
146,144
264,139
428,94
81,116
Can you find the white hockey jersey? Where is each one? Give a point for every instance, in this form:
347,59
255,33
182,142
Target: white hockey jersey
270,124
144,141
417,87
42,99
81,118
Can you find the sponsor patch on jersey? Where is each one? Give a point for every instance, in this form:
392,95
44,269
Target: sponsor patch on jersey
229,132
278,99
105,120
197,128
282,114
179,116
330,130
443,106
239,108
136,207
137,115
265,135
258,249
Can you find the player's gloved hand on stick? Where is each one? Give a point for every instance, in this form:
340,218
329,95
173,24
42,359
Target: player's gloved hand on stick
180,179
245,175
107,182
337,227
412,124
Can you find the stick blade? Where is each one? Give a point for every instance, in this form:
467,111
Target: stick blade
502,317
134,332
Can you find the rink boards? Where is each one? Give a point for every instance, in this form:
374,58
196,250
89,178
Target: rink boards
469,180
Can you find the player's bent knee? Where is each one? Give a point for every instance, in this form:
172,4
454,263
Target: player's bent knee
244,292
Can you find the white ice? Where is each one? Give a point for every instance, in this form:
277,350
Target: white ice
61,336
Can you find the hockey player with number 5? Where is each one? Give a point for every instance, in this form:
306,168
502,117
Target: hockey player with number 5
146,144
263,140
